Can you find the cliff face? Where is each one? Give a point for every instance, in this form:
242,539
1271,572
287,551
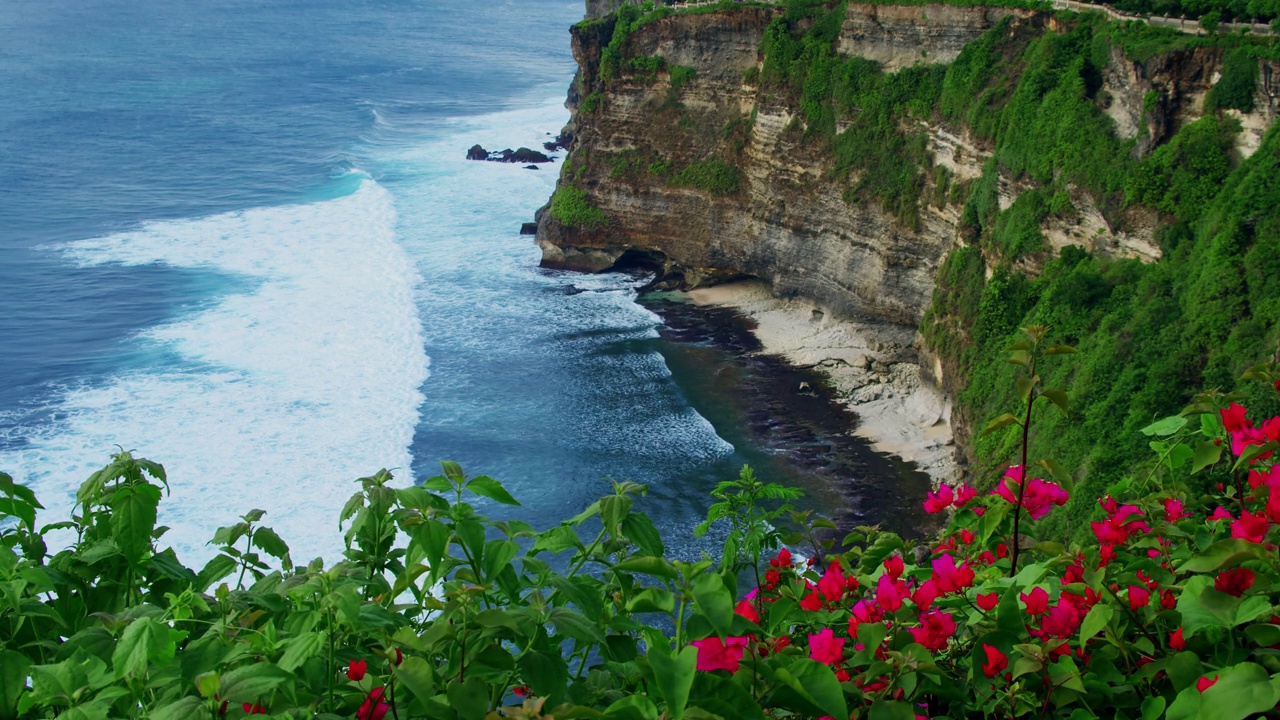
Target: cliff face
697,171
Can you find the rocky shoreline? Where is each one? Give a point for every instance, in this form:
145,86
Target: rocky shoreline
871,367
802,420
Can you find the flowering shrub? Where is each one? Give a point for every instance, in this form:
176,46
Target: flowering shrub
438,612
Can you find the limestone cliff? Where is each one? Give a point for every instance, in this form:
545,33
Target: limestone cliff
702,175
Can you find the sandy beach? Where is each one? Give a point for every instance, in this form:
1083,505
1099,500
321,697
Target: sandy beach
872,366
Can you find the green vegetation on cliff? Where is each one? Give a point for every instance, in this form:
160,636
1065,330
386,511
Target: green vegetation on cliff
572,207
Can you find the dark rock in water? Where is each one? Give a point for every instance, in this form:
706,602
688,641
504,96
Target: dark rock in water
551,146
529,228
531,167
525,155
477,153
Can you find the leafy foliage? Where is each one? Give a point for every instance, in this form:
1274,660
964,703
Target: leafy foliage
712,175
571,206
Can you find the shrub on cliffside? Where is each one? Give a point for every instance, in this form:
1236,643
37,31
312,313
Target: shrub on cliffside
572,207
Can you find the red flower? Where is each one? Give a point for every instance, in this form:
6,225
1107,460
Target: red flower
356,670
1205,683
996,661
1233,418
784,558
254,709
1175,640
1173,510
964,494
1235,581
826,648
949,578
1063,620
772,578
811,602
894,566
1250,527
522,691
373,707
1038,499
748,611
399,657
864,611
938,501
1221,514
1168,600
717,654
988,601
1037,601
966,537
936,628
890,593
842,675
1139,597
832,584
924,595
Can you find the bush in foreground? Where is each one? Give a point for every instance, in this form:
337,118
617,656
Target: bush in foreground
439,612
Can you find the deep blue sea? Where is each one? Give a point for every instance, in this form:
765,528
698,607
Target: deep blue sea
241,238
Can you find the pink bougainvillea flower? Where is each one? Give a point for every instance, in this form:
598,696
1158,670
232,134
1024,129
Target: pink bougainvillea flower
1273,505
373,707
1039,497
924,595
1236,581
1233,418
842,675
1122,523
717,654
890,593
811,602
1176,642
894,566
832,584
1037,601
1250,527
255,709
356,670
948,577
1221,514
1168,600
1139,597
1174,510
936,502
1063,620
964,494
936,628
1247,437
748,611
988,601
1271,429
996,661
826,648
1205,683
864,611
966,536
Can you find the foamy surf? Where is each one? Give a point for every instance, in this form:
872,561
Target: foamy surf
277,397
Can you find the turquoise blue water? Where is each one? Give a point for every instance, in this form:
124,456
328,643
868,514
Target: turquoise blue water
240,238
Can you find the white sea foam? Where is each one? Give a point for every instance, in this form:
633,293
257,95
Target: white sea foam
278,396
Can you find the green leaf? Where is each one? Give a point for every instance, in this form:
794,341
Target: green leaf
557,539
1097,619
632,707
133,517
143,640
485,486
546,673
652,599
216,569
416,675
1253,452
1231,551
1264,635
470,699
573,624
453,471
266,539
817,684
300,649
674,677
891,710
640,529
1059,398
1003,421
251,683
1060,350
1153,707
14,668
1242,691
1207,453
497,555
185,709
1060,473
654,566
715,601
1167,426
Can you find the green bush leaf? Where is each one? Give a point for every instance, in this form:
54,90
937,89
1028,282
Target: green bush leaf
1231,551
674,677
252,683
640,529
301,649
485,486
1207,453
715,601
654,566
13,682
133,517
891,710
1165,427
266,540
1097,619
1004,420
573,624
817,684
470,698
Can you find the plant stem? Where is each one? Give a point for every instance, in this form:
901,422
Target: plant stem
1022,482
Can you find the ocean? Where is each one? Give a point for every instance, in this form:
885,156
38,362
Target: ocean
242,239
